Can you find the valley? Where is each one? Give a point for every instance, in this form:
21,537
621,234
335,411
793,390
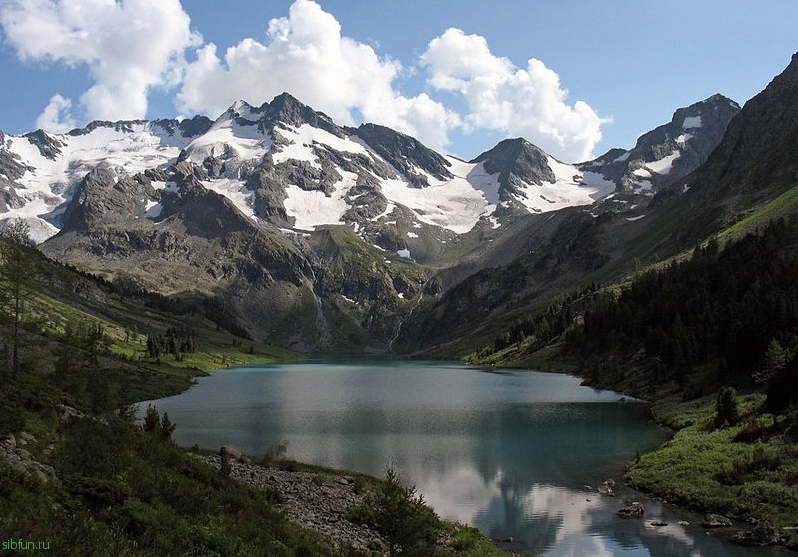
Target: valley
272,234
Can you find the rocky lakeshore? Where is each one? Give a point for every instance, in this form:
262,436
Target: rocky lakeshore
316,501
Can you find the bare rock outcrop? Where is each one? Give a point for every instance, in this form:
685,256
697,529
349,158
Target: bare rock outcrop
21,459
316,501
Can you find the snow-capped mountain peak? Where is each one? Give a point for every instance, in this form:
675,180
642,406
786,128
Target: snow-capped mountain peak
285,165
39,171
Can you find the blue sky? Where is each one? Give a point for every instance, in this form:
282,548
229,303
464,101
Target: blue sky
575,77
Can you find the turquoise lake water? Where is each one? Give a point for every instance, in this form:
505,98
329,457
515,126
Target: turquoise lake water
512,452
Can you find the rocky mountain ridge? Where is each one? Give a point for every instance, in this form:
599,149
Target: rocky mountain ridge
666,154
318,236
749,178
255,156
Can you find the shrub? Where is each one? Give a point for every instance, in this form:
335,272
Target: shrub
154,424
726,411
756,428
742,468
12,417
362,514
410,527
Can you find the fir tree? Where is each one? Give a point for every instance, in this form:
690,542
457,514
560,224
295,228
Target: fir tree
16,272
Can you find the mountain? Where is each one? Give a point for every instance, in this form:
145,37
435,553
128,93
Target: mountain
320,236
747,179
757,157
766,133
750,173
39,171
665,154
293,167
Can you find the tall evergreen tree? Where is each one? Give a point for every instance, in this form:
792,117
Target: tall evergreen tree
16,272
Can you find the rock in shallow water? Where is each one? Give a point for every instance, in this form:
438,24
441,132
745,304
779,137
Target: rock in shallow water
763,533
631,510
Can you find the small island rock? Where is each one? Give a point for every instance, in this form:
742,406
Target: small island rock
712,520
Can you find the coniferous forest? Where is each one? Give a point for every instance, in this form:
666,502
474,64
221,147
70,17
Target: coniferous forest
728,313
731,312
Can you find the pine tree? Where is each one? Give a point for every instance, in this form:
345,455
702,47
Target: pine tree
16,272
408,524
776,359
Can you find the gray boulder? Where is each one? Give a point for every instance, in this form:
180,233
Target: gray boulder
712,520
763,533
631,510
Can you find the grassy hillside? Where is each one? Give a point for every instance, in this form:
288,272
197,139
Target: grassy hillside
80,476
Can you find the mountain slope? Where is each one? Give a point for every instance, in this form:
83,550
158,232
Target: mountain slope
671,150
530,180
753,163
287,165
749,181
757,158
664,155
321,237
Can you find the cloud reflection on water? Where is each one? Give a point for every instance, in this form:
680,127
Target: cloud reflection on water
559,522
507,453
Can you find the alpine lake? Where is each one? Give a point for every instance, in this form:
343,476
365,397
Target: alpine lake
519,454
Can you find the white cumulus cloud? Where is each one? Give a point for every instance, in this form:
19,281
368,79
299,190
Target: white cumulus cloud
307,56
521,102
129,47
55,117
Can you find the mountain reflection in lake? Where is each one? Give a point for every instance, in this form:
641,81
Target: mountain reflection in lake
510,453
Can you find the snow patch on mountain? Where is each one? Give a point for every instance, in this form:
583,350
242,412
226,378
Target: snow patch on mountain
235,191
231,141
691,122
571,187
126,147
300,144
166,186
153,210
313,208
663,165
455,204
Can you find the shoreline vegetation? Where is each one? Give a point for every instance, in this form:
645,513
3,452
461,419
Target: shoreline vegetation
105,483
711,340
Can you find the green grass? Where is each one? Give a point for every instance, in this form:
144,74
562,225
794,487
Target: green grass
50,317
774,208
748,469
122,491
551,357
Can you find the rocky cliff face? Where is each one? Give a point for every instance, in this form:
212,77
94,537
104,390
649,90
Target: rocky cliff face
406,154
11,170
665,155
760,146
